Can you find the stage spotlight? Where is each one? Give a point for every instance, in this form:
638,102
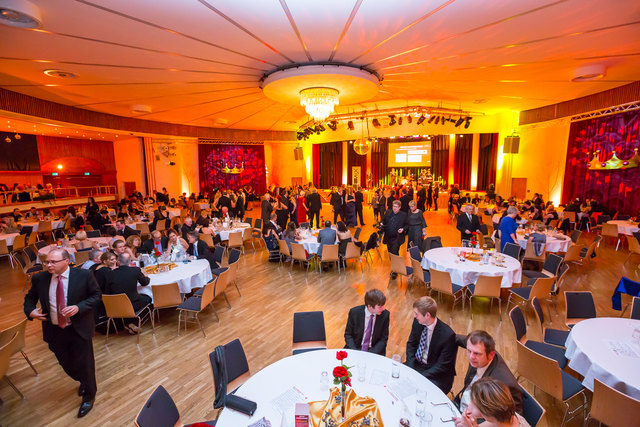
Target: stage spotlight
443,120
409,119
308,131
375,123
299,135
431,119
320,128
333,125
393,120
399,120
350,125
459,122
421,119
466,125
437,119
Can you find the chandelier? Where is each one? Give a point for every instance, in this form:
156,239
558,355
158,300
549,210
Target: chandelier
319,101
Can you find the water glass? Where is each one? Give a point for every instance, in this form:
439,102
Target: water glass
425,420
324,380
362,371
395,366
421,403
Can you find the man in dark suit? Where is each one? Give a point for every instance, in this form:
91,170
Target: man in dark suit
404,201
188,226
368,325
431,348
124,230
314,203
468,223
224,201
390,199
67,298
199,249
124,280
393,223
485,362
157,241
265,212
359,200
336,202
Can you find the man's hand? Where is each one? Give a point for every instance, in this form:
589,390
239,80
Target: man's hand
466,420
69,310
467,232
400,230
35,314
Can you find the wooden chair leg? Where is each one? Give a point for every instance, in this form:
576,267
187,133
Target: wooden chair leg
29,362
13,387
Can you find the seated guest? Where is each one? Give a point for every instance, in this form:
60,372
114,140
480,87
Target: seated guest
22,195
123,212
368,325
431,348
326,236
485,362
272,228
156,242
102,271
124,230
536,214
539,239
550,215
177,245
16,215
203,220
101,221
508,228
344,237
290,235
161,214
94,260
32,214
188,226
118,246
82,242
491,401
132,246
124,280
199,249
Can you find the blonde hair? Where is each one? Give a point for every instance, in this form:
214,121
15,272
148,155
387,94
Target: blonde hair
129,242
540,227
493,399
81,235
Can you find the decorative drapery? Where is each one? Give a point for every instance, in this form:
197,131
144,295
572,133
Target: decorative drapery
616,189
214,158
487,160
327,164
440,157
355,159
462,161
380,161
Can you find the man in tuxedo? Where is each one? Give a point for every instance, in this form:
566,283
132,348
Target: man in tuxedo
124,280
124,230
314,203
390,199
393,223
484,361
336,202
265,212
368,325
67,298
404,201
431,348
188,226
199,249
224,201
468,223
359,200
157,241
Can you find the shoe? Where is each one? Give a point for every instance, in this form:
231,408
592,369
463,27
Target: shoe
134,328
81,390
85,407
394,276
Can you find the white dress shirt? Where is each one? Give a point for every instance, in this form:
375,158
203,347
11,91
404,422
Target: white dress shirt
367,315
425,353
466,395
53,301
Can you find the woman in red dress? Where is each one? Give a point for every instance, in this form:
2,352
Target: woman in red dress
302,208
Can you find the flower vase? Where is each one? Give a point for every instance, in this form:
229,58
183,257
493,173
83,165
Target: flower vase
343,410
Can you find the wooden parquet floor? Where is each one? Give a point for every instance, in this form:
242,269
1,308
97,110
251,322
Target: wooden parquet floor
262,319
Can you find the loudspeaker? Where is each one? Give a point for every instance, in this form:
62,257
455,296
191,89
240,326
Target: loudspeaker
511,145
297,153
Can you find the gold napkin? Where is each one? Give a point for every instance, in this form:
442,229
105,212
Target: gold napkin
359,411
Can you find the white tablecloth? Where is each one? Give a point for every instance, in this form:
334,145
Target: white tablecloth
9,237
395,396
465,273
102,241
189,276
134,224
224,234
591,353
553,244
173,212
54,225
625,227
201,206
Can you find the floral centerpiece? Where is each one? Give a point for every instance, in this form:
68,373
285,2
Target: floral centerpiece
342,377
474,239
156,254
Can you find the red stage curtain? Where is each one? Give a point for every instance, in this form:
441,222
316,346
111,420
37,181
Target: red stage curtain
213,157
487,160
327,161
462,161
316,164
440,157
618,189
380,161
355,159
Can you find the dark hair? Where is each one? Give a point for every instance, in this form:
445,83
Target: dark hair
341,227
374,297
194,234
171,231
483,337
327,224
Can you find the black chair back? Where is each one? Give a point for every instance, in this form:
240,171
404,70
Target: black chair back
234,255
356,235
372,242
622,217
235,362
636,234
218,251
532,412
484,229
431,242
602,219
538,308
552,264
258,224
575,235
30,254
40,244
159,411
27,229
518,322
635,308
513,250
414,253
93,233
580,305
308,326
249,220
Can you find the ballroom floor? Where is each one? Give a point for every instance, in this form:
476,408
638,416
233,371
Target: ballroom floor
262,319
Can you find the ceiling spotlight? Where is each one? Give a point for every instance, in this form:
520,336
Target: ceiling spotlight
320,128
399,120
350,125
437,120
308,131
459,122
420,119
393,120
333,125
375,123
431,119
443,120
21,14
468,123
17,136
409,119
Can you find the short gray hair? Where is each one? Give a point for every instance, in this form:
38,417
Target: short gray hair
95,253
124,259
512,210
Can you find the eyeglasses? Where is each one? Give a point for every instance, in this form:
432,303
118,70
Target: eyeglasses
48,262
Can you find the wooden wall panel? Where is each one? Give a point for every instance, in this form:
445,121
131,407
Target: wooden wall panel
51,148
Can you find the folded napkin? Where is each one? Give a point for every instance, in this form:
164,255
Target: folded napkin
360,411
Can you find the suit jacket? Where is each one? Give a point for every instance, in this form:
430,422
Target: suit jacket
124,280
148,245
359,199
405,202
392,223
314,202
265,211
336,201
327,236
203,253
464,224
390,201
126,232
354,332
185,229
441,358
83,291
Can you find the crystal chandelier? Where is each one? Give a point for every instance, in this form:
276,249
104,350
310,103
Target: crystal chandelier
319,101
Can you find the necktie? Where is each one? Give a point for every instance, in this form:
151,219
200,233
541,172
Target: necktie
367,334
469,216
61,303
423,344
195,250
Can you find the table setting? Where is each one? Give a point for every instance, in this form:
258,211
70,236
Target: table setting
102,243
625,227
556,241
190,274
224,228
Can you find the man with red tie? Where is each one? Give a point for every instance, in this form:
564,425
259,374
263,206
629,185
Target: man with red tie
67,298
368,325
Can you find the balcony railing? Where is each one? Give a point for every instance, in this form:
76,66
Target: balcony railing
6,197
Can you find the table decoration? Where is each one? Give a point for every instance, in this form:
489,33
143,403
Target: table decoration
359,411
342,376
160,268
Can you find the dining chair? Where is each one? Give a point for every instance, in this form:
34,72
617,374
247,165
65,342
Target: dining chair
208,239
356,235
247,236
236,365
44,227
372,243
353,253
573,255
532,411
580,306
93,233
236,241
5,356
118,306
248,220
88,227
513,250
299,254
330,254
233,274
635,308
257,232
19,243
16,334
531,255
544,372
143,228
540,288
284,250
161,411
195,305
547,350
549,335
610,406
399,267
571,216
575,235
220,287
218,253
4,251
431,242
82,257
549,269
31,239
441,283
422,276
488,287
611,230
308,332
27,268
165,296
414,253
634,247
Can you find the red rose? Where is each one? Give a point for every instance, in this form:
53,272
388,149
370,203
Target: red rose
348,382
340,371
341,355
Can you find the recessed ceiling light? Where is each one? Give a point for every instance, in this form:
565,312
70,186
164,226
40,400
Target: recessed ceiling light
20,14
589,73
479,101
140,109
61,74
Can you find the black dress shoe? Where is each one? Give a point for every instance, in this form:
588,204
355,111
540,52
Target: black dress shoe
86,406
81,390
394,276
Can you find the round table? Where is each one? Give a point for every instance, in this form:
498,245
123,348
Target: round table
9,237
300,376
553,244
604,348
224,234
103,242
194,274
465,273
625,227
135,224
56,224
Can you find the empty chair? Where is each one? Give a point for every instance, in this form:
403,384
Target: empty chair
161,411
573,254
612,407
221,287
249,220
208,239
32,257
352,252
44,228
18,344
399,267
257,231
611,230
580,306
4,251
431,242
236,241
513,250
118,306
284,250
19,243
5,356
441,282
247,236
488,287
532,411
195,305
234,255
218,252
549,269
634,247
143,228
414,253
545,373
94,233
298,253
547,350
541,288
28,269
165,296
549,335
82,256
308,332
531,255
575,235
330,254
372,243
571,217
235,364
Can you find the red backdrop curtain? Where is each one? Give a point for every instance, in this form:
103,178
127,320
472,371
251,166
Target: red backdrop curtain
487,160
380,161
618,189
355,159
316,164
440,157
214,157
327,164
462,161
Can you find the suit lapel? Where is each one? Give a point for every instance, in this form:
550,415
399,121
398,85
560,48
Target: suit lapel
71,285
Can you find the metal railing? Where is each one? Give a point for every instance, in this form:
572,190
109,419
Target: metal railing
7,197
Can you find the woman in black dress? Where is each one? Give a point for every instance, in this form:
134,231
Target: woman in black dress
429,196
350,201
282,213
436,190
416,225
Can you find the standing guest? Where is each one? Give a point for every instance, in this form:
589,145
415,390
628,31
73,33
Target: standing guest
390,199
393,223
92,207
224,201
416,225
157,242
468,223
125,280
293,209
430,196
314,203
508,228
67,298
404,201
368,325
491,401
359,201
350,208
431,348
237,206
422,198
326,236
265,214
93,261
436,194
282,213
336,204
302,209
199,249
382,204
375,205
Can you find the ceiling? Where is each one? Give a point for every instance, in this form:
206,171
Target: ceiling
199,62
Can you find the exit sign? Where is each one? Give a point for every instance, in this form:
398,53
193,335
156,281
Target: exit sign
87,174
54,174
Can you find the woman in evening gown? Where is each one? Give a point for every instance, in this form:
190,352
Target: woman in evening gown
350,202
416,225
302,208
